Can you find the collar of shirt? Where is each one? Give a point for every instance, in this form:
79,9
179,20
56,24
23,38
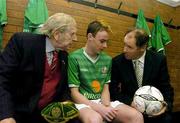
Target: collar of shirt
49,50
92,60
49,46
141,59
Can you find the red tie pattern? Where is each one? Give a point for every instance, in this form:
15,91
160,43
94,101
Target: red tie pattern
54,61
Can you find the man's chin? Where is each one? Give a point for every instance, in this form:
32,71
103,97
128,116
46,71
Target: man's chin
98,52
62,49
127,57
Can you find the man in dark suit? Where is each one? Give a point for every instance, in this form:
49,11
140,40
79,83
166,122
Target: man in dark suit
33,70
153,72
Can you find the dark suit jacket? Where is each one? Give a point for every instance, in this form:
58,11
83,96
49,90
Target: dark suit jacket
22,65
124,83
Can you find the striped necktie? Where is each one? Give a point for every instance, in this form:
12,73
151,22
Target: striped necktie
139,72
54,60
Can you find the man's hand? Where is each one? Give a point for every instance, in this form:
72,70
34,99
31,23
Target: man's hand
157,114
8,120
132,104
162,110
108,113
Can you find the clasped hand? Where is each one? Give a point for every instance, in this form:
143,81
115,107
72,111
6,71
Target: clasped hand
108,113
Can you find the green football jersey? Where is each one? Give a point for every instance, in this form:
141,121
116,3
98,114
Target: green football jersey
87,74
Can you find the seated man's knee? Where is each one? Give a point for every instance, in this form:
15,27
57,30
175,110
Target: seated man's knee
95,119
91,118
139,116
127,114
136,116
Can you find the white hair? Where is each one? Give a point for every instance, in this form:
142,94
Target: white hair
57,22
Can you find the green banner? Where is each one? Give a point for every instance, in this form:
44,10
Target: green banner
142,24
36,14
3,19
160,36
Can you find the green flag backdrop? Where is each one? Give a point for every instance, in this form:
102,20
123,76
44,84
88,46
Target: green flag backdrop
141,23
36,14
3,19
159,36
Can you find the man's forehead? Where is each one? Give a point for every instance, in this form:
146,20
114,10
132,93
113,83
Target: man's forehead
131,34
72,28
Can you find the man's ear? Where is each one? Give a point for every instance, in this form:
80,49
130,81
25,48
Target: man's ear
90,36
56,35
144,47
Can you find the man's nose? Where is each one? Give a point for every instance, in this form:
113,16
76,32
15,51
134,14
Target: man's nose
124,49
74,38
104,45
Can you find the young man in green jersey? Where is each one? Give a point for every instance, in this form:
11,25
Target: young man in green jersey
89,71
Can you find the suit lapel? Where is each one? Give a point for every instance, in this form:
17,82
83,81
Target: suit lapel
62,60
63,67
38,53
147,68
39,59
130,73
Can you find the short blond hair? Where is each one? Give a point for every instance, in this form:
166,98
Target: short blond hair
98,25
57,22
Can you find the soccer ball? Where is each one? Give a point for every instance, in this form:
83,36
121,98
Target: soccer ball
148,100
